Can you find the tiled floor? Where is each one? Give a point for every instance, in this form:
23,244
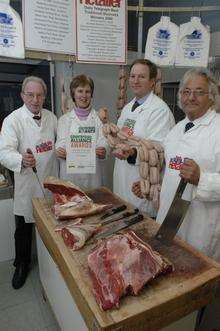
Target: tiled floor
23,309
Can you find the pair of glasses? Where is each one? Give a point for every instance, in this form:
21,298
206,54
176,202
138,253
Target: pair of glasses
31,96
196,93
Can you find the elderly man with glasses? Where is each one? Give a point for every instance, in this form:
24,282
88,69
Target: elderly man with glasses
192,152
196,142
27,141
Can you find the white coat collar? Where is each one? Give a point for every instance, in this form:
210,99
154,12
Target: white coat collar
28,113
142,106
203,120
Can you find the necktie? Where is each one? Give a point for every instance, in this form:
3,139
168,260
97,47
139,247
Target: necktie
135,105
188,126
37,117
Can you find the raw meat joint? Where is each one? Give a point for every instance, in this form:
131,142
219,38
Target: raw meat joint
70,201
122,265
75,234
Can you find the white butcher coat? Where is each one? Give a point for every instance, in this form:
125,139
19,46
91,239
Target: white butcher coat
19,132
151,120
201,225
70,123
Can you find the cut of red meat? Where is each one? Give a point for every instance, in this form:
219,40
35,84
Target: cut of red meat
122,265
76,235
70,201
63,187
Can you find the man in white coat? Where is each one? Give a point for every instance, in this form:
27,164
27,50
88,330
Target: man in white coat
26,141
192,151
146,116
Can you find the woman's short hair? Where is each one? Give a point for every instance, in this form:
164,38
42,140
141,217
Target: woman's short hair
152,67
36,80
81,80
212,85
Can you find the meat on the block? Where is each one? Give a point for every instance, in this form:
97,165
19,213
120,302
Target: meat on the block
122,265
75,236
70,201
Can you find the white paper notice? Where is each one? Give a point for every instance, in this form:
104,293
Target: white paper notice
101,31
81,155
49,25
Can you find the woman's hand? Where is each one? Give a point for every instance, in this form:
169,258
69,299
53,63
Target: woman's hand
190,171
100,152
61,153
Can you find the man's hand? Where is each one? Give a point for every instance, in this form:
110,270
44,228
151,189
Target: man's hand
28,160
136,189
100,152
123,151
61,152
190,171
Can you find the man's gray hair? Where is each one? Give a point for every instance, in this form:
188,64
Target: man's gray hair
212,85
36,80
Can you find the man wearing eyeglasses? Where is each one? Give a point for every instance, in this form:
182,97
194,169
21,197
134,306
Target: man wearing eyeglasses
195,141
26,141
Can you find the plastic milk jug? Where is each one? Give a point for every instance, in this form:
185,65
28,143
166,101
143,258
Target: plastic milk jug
193,44
11,32
161,42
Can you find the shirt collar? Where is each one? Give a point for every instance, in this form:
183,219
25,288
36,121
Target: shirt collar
142,100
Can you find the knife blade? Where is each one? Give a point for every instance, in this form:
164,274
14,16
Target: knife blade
113,211
119,217
122,225
174,217
29,151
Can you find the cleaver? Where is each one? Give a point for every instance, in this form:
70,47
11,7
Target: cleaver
174,217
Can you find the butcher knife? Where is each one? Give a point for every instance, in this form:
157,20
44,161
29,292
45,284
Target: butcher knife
29,151
119,217
113,211
120,226
174,217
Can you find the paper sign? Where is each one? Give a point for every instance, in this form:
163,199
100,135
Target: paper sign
101,35
49,25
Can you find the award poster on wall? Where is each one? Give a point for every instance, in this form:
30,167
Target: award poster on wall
101,31
48,25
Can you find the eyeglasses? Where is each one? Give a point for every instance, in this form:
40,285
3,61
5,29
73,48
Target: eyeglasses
196,93
31,96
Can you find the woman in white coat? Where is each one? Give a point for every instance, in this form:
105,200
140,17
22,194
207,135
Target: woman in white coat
27,140
81,120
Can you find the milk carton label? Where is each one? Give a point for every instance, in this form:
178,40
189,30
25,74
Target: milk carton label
193,44
161,42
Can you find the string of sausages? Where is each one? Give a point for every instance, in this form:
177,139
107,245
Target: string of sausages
122,87
150,154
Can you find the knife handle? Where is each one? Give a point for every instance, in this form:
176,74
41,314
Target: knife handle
29,151
181,186
130,213
134,220
118,209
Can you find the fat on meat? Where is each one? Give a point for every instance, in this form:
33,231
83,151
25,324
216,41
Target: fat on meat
70,201
122,265
75,236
